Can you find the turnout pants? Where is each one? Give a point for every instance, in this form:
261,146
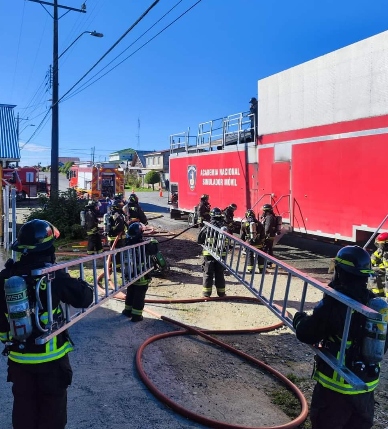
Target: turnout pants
134,301
251,259
94,243
334,410
212,269
40,393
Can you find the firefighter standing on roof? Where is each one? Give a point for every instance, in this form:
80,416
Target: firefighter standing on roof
133,211
204,210
136,292
40,374
268,219
213,271
252,231
228,213
335,403
379,260
91,224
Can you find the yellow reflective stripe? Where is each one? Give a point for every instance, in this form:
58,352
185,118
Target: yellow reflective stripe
3,336
341,387
44,316
32,358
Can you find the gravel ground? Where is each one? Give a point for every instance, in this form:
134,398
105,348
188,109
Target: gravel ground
107,392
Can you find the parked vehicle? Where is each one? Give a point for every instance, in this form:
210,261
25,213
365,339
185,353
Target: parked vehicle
98,181
26,181
317,157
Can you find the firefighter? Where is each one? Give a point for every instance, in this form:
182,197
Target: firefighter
252,231
133,211
228,213
40,374
379,260
92,231
335,403
253,110
116,229
268,219
212,269
136,292
204,210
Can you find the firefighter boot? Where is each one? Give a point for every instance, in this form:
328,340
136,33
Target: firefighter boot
127,312
136,318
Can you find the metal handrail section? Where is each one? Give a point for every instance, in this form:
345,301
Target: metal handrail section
135,263
274,290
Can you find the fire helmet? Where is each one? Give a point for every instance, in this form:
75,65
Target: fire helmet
233,206
354,260
133,198
253,100
35,236
382,240
215,213
204,197
134,234
250,214
267,208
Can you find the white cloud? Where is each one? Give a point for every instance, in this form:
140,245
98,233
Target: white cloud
32,147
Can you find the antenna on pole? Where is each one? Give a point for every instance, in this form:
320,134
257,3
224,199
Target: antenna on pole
138,133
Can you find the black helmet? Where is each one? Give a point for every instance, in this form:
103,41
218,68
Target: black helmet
134,233
233,206
253,100
91,204
250,214
267,208
35,236
133,198
215,213
354,260
204,197
118,196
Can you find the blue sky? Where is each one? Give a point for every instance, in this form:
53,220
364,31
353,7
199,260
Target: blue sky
205,66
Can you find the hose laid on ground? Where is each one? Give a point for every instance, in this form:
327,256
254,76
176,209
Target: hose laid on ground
189,330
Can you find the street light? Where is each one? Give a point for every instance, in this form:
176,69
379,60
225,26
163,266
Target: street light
55,101
92,33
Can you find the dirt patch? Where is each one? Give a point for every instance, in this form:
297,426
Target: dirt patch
213,382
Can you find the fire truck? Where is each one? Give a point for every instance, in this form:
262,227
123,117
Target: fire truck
97,180
318,154
26,181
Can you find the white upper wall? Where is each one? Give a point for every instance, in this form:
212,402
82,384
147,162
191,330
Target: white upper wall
344,85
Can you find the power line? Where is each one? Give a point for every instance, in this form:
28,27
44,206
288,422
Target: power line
41,125
129,56
122,52
112,47
18,48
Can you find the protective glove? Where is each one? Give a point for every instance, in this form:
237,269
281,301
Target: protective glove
299,315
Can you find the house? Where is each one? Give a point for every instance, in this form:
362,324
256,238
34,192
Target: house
159,161
9,144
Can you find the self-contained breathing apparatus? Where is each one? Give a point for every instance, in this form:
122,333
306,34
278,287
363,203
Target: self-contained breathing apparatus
24,306
161,266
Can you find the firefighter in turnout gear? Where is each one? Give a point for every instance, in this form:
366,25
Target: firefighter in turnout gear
92,231
133,211
335,403
136,292
204,210
117,229
379,260
228,213
252,231
268,220
212,269
40,374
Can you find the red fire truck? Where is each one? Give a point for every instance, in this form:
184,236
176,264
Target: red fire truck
26,181
319,156
100,180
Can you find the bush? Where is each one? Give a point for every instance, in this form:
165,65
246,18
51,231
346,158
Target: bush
152,177
62,211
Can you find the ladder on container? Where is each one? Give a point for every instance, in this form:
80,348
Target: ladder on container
272,288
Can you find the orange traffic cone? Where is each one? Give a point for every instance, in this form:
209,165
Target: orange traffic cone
160,192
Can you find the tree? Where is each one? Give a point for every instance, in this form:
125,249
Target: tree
152,177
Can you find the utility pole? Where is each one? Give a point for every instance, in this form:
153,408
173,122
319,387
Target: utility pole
138,133
54,184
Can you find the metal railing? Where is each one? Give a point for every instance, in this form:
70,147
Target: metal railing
284,289
134,261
